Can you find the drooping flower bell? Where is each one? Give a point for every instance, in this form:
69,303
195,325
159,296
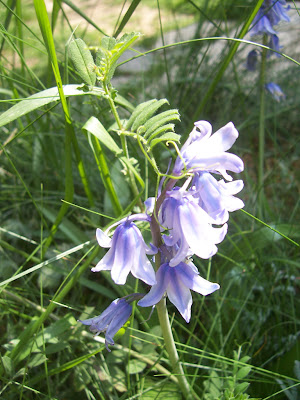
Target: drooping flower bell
127,252
206,152
112,319
275,91
190,227
216,197
177,282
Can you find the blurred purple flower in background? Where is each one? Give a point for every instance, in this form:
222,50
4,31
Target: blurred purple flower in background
252,59
275,91
270,14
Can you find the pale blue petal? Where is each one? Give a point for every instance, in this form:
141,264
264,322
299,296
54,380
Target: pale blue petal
123,249
106,263
217,234
141,266
100,322
194,281
157,291
182,253
233,203
119,319
196,231
178,293
230,188
150,203
216,162
222,140
102,238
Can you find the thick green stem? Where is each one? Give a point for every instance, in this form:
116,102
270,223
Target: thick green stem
171,348
261,132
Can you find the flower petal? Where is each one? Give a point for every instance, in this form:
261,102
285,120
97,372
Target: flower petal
102,238
119,319
194,281
141,266
157,291
122,248
178,293
222,140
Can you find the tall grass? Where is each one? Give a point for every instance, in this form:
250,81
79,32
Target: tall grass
54,195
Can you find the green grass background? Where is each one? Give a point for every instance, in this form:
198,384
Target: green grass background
248,331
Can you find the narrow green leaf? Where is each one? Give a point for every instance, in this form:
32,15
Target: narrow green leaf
122,187
109,53
83,61
45,97
8,365
147,113
37,360
94,126
122,45
127,16
164,138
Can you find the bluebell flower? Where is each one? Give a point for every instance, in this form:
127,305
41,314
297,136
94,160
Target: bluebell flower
112,319
262,24
275,91
206,152
177,282
189,226
274,44
270,14
252,59
216,197
277,11
127,252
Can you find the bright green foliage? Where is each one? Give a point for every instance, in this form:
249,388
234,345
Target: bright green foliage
150,127
229,387
46,354
83,61
108,54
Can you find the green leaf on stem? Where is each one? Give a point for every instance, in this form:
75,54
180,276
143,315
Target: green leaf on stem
109,52
83,61
94,126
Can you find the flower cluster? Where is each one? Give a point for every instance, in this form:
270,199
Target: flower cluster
271,13
184,220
